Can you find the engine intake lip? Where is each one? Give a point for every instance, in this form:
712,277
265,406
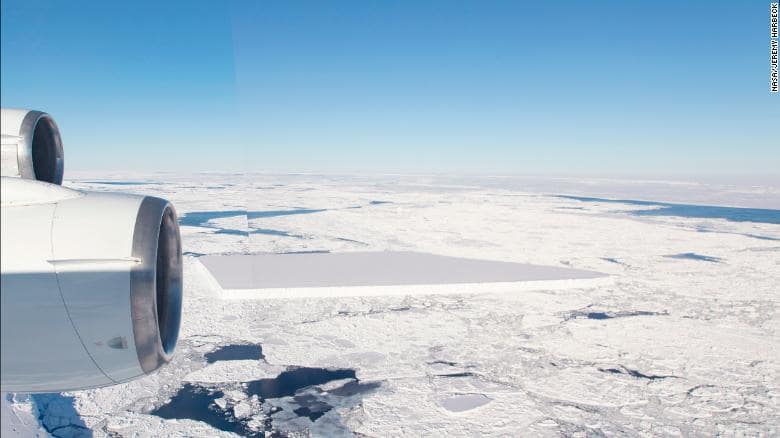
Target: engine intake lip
156,283
42,156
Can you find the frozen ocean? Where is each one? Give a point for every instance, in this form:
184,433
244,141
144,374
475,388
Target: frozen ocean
668,325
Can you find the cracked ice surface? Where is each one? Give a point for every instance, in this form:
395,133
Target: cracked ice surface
673,346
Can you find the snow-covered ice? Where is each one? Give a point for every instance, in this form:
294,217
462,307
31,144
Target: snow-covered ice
682,340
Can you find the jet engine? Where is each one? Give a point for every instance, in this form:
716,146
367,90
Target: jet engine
31,146
91,282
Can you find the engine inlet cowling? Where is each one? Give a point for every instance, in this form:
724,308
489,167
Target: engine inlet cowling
156,283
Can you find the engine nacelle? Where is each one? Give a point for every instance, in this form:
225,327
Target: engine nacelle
31,146
91,285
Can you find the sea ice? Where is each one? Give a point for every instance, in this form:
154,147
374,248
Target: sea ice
667,346
464,402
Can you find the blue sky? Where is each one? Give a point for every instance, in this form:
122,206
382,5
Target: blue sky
617,88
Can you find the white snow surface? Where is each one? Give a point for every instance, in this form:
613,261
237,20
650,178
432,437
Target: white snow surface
680,345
